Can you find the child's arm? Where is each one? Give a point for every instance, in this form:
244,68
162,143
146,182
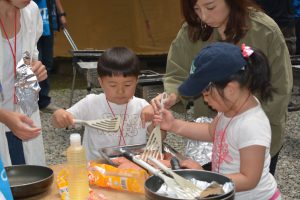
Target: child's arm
192,130
146,116
62,118
252,163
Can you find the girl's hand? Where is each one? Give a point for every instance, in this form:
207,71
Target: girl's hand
39,70
190,164
147,115
165,119
169,102
21,125
62,119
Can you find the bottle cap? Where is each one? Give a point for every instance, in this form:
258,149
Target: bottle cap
75,139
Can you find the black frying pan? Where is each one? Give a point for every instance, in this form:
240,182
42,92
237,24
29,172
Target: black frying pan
153,183
28,180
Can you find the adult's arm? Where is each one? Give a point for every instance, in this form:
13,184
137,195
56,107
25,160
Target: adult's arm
61,13
180,56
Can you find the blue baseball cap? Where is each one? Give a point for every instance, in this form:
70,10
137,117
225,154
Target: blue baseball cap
216,62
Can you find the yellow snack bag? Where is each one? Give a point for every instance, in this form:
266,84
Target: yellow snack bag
104,175
62,184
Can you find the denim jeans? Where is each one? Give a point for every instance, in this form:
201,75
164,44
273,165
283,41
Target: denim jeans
298,36
45,47
15,147
290,38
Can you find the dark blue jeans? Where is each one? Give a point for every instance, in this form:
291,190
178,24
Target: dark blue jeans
298,36
45,47
15,147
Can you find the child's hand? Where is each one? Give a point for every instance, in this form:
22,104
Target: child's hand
190,164
147,115
62,119
165,119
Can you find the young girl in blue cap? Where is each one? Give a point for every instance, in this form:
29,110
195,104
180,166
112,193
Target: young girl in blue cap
229,80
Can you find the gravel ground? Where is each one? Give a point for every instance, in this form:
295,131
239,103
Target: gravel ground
56,142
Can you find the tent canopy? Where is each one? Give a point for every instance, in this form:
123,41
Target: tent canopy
147,27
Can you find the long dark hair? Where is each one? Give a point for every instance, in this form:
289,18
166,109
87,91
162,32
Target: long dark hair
236,27
256,77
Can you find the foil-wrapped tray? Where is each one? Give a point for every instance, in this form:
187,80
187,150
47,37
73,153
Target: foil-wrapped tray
109,153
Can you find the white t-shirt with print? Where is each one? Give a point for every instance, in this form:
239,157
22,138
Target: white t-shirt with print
96,107
249,128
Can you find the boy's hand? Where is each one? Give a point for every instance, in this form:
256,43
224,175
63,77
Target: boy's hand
62,119
147,115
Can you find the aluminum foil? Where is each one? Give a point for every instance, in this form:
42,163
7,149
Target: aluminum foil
198,150
27,86
166,191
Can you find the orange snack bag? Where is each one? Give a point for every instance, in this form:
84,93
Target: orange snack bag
104,175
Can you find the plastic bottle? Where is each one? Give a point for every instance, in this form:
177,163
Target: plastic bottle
78,184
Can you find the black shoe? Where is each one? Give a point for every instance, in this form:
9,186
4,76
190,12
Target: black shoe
51,108
293,107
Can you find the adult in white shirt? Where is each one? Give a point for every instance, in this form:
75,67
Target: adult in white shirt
21,27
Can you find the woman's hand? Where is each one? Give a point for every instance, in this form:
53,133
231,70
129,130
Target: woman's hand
168,103
190,164
39,70
62,119
21,125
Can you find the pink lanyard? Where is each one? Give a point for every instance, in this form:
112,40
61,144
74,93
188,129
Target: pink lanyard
222,139
13,51
224,132
121,137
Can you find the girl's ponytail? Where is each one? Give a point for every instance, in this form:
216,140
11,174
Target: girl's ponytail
258,75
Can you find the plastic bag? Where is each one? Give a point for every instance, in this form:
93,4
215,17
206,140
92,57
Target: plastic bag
104,175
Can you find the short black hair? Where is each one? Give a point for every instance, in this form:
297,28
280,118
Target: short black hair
118,61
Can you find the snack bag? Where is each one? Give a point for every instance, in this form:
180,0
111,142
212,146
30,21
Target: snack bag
104,175
62,184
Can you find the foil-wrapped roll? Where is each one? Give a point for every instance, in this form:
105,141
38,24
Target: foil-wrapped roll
198,150
27,86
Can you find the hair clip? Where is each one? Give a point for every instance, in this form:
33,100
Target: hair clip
246,51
